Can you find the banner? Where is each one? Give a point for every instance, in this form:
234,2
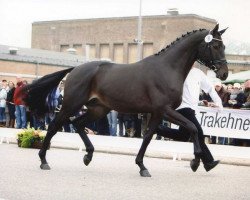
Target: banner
233,123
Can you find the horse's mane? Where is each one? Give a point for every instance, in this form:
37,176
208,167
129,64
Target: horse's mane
177,39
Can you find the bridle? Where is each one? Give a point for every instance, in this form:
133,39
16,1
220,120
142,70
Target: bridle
211,63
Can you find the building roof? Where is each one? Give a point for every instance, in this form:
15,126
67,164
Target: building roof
130,17
41,56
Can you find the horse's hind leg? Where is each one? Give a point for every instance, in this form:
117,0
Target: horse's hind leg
152,126
54,126
78,123
93,113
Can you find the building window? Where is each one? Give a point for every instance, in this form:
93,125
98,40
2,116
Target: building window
64,47
104,51
132,53
78,48
118,53
91,51
147,49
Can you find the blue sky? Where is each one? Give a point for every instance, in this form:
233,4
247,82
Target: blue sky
16,16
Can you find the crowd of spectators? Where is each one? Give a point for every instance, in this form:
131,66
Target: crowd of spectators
233,96
14,113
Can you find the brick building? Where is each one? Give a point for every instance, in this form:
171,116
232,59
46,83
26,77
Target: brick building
114,38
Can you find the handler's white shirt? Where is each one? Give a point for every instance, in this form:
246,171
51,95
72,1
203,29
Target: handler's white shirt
195,81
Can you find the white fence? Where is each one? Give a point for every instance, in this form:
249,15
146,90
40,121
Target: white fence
227,123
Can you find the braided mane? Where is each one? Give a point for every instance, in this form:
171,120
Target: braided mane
177,39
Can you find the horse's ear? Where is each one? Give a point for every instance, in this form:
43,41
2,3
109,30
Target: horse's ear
216,28
223,31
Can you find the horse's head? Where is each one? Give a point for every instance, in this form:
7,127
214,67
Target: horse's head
212,53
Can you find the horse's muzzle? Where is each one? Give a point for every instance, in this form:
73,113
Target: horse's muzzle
223,76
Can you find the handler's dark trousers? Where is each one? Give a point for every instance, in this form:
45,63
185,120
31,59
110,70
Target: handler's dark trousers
183,135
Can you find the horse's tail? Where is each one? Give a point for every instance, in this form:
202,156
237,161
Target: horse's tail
35,94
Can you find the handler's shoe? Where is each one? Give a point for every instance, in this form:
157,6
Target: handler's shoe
211,165
194,164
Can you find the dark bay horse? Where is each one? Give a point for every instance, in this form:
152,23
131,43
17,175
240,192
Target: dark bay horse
152,85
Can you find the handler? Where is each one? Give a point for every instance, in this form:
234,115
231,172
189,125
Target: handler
195,81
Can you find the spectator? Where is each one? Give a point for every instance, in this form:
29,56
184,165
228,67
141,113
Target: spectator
21,119
223,94
128,120
52,102
132,124
247,94
120,123
138,126
237,97
112,119
38,122
29,115
67,127
237,100
229,88
102,126
3,96
10,104
6,107
129,123
205,98
246,105
144,122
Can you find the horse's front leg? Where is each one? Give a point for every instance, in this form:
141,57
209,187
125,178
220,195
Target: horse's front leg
153,124
176,118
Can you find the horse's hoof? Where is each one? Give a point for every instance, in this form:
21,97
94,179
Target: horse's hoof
45,167
145,173
86,160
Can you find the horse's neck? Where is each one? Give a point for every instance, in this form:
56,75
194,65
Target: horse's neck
184,53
